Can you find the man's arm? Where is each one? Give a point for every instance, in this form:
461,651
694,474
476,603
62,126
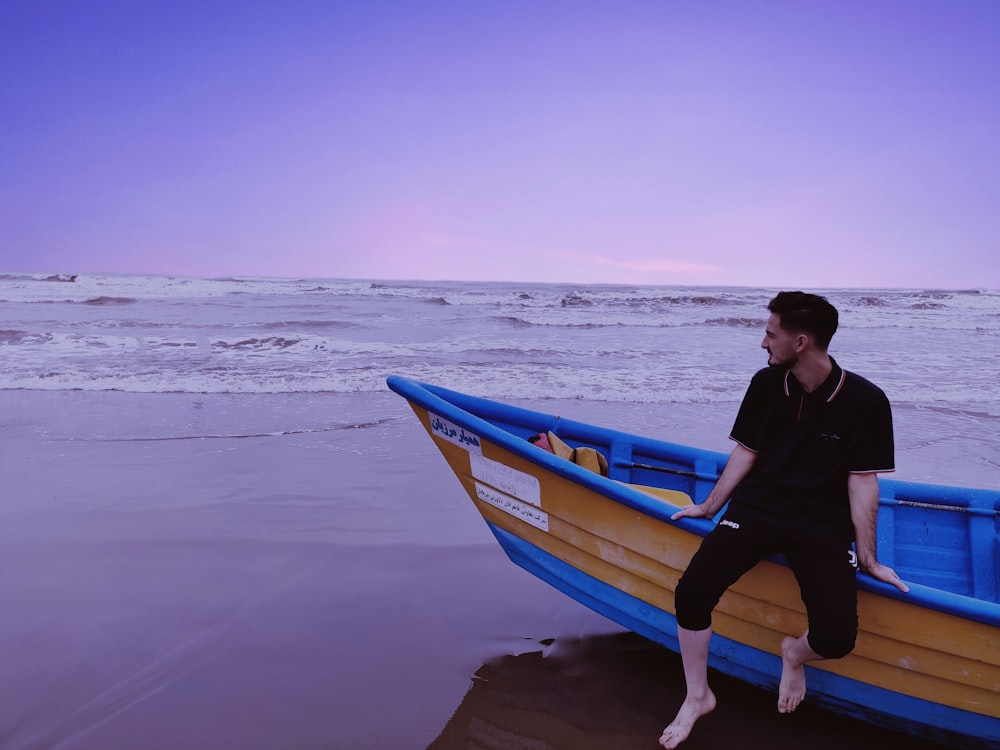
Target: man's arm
862,490
741,460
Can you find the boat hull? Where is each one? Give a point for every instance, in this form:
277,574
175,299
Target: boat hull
610,545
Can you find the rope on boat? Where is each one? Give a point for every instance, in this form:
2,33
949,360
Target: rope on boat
949,508
667,470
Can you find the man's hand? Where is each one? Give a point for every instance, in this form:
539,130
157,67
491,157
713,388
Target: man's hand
886,574
692,511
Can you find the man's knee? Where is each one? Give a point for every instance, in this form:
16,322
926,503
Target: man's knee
693,609
833,643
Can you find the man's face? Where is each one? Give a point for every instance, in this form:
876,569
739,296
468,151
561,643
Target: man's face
779,343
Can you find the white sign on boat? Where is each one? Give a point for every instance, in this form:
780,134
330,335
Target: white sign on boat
536,517
513,482
454,434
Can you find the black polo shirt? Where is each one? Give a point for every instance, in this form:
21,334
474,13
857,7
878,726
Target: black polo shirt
807,444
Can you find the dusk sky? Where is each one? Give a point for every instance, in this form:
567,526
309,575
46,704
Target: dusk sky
806,143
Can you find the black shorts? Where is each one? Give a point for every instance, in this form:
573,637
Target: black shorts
826,572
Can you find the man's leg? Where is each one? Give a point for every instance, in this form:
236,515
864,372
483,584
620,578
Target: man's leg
827,576
699,700
729,551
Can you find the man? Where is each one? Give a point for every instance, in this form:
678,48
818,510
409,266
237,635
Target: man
810,440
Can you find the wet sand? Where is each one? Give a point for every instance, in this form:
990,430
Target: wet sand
609,691
324,588
182,571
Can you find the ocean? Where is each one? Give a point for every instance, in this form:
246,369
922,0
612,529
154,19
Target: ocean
219,528
620,352
657,345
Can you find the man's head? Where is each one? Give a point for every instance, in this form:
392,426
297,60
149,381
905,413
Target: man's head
796,316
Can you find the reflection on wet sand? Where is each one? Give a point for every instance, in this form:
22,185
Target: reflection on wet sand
618,691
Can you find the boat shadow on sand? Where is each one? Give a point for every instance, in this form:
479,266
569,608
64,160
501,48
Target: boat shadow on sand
618,691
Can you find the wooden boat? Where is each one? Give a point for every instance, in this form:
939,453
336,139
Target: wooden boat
926,663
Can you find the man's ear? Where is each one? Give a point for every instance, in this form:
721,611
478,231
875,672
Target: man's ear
801,342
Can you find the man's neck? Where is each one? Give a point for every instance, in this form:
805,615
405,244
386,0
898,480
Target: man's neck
812,372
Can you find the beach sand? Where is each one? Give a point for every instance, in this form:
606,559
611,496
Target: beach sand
325,588
304,571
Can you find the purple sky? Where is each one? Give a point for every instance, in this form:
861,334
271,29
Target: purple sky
801,143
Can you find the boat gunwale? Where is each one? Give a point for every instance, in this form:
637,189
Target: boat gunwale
457,406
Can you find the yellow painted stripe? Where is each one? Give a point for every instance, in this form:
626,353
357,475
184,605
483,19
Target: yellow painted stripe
951,681
662,541
901,647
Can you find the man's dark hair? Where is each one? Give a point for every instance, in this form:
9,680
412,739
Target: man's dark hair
800,312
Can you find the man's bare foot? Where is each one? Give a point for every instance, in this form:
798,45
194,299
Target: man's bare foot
792,688
691,710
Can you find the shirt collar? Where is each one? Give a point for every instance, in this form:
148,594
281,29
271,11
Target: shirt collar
829,388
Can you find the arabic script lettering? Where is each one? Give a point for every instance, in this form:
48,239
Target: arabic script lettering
454,432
